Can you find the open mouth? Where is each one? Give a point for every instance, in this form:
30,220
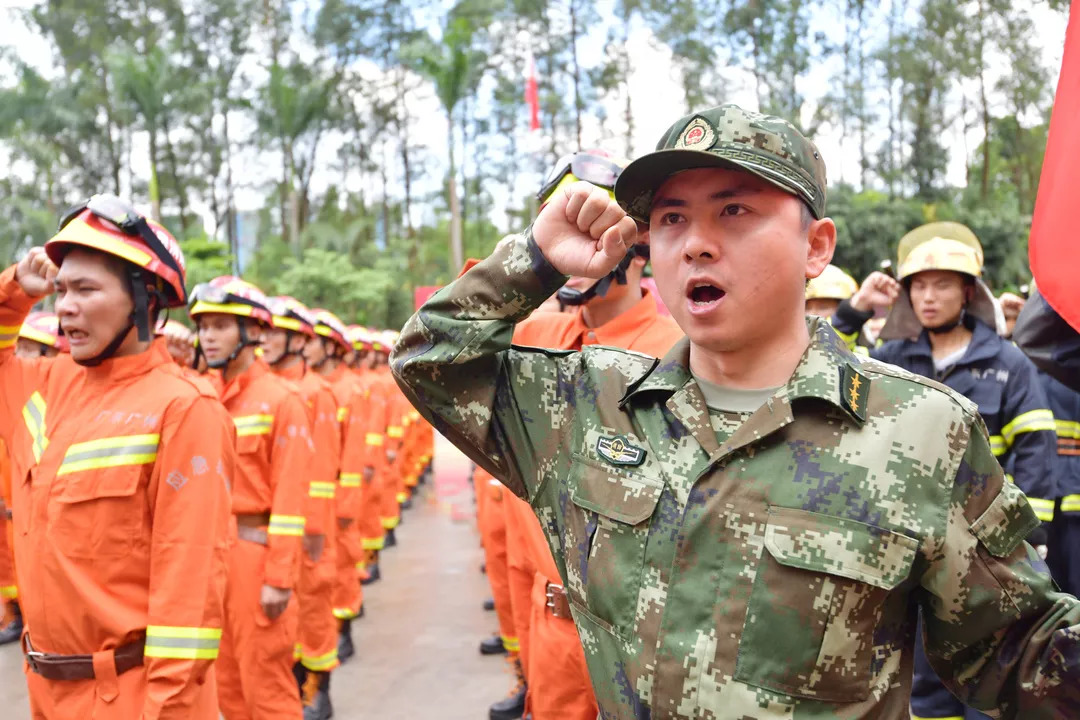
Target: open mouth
704,295
76,337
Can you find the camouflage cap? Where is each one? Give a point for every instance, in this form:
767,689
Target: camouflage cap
728,137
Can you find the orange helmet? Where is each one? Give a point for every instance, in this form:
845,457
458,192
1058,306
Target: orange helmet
44,328
108,224
230,295
329,325
288,313
360,337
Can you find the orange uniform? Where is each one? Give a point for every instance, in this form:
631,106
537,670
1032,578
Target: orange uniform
9,588
554,663
348,596
375,421
398,410
316,646
275,454
122,527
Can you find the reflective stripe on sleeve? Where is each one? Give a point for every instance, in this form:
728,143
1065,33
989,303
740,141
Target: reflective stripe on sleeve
1068,433
253,425
34,416
9,592
110,452
182,643
1044,509
349,480
997,445
1070,503
289,525
9,335
374,439
395,431
1031,421
320,489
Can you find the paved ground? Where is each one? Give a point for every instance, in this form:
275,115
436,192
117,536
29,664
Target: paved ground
417,643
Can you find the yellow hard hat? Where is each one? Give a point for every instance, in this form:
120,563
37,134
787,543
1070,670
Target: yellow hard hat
940,246
832,284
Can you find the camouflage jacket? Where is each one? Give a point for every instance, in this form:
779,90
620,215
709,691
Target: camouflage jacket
776,575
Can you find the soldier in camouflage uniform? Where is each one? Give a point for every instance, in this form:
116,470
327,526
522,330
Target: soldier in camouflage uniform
747,527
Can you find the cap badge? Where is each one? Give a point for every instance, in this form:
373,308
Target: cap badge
698,135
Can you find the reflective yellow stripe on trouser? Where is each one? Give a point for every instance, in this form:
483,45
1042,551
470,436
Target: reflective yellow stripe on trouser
349,480
374,439
110,452
183,643
253,425
9,592
34,416
289,525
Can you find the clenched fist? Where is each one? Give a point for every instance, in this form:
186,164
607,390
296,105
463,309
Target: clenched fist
583,232
35,273
877,290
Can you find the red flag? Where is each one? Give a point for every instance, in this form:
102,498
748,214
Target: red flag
1054,249
532,94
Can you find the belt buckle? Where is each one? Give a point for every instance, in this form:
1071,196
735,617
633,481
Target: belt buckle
550,595
31,654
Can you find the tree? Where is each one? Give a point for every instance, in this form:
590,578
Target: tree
450,64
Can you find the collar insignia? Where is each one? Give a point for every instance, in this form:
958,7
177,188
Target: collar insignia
618,451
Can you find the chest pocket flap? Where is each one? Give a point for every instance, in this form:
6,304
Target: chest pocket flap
837,546
623,494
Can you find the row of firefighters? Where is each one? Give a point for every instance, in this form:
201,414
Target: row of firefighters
259,519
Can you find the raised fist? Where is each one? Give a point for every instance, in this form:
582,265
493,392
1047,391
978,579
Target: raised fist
583,232
35,273
877,290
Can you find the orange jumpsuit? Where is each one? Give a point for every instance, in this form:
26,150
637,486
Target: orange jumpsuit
552,658
274,456
393,487
369,523
316,646
348,597
120,477
9,588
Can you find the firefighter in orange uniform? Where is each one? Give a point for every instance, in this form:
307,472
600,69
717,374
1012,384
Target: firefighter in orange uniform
122,467
316,648
274,455
326,353
614,311
39,337
398,412
370,522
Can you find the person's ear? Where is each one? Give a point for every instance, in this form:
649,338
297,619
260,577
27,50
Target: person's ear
820,245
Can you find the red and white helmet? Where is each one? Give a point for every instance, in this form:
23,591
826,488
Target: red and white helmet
230,295
44,328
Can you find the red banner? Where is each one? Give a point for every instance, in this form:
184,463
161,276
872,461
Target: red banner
1054,249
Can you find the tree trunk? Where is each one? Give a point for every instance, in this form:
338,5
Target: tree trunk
577,71
406,164
155,190
457,255
230,208
984,179
178,186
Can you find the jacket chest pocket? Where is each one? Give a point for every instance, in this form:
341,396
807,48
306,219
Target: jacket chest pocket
607,532
98,513
821,588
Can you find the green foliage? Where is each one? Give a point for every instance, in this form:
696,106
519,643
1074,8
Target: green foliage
174,103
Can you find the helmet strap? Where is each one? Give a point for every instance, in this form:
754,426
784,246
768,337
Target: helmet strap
245,341
576,298
961,319
289,335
